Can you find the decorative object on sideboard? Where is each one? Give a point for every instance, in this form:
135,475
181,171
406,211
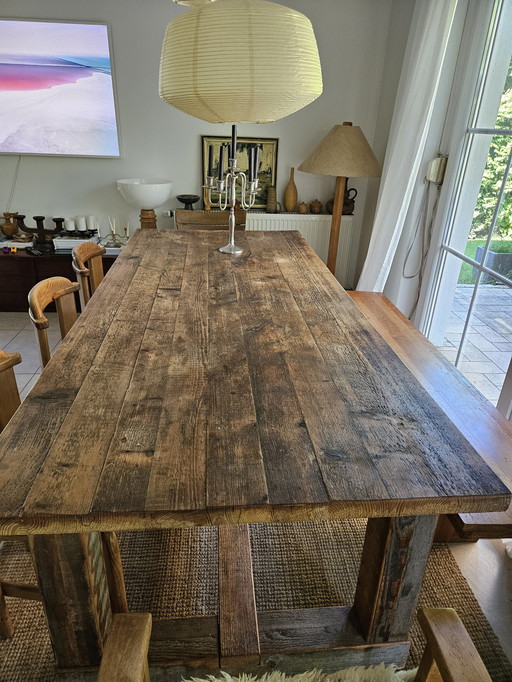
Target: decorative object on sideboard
344,152
247,61
146,195
114,240
9,227
266,171
42,237
348,202
290,195
226,187
303,208
188,200
315,206
273,206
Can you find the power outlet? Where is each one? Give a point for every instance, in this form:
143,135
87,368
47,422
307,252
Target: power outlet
167,214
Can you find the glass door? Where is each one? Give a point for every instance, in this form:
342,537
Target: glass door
471,309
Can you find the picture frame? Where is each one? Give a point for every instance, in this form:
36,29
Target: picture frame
267,168
58,93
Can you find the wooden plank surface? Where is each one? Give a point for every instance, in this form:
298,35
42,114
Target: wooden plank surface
477,419
238,622
201,388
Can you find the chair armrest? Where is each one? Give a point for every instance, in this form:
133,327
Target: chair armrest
125,656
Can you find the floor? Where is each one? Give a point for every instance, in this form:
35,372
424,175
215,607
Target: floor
488,346
485,564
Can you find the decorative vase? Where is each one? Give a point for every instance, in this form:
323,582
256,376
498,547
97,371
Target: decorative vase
303,207
272,204
315,206
9,227
290,195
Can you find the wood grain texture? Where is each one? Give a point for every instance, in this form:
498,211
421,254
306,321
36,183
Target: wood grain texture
10,397
58,289
207,220
125,658
393,563
72,580
201,388
480,423
238,622
450,655
88,266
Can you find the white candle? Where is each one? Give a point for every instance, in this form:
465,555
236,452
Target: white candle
91,222
69,225
81,223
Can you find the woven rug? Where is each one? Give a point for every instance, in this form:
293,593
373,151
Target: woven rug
299,565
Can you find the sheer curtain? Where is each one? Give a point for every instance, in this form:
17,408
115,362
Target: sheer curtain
419,83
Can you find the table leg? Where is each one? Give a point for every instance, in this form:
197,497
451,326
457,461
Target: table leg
238,621
393,563
73,581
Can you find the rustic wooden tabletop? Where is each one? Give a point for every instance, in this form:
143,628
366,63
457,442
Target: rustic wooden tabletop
199,388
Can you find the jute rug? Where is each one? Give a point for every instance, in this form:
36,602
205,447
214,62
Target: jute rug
300,565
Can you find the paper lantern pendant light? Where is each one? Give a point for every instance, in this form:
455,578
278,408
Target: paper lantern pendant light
240,60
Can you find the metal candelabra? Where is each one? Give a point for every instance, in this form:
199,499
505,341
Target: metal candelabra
226,186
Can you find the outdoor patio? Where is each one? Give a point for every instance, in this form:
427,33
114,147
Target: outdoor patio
488,346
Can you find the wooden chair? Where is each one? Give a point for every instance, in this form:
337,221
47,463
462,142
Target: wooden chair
9,403
62,291
125,656
9,396
450,655
88,266
207,220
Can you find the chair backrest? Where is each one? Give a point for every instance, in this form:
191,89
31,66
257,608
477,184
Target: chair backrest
207,220
62,291
88,266
9,395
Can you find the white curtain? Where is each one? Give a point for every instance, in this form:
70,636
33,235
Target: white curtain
419,83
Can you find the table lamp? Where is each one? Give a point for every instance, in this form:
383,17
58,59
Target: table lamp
345,153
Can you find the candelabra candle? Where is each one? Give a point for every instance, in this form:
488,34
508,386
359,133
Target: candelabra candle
226,186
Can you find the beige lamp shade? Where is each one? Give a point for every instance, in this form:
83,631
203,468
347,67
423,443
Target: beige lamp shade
240,61
344,152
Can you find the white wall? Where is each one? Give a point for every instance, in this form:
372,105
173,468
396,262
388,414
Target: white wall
158,140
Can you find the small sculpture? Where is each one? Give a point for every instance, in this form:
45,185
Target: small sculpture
43,238
9,227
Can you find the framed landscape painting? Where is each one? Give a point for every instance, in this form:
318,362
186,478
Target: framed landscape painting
56,89
268,162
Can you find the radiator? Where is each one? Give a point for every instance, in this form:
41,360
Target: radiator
315,229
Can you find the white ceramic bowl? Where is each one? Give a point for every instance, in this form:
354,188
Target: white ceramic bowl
144,193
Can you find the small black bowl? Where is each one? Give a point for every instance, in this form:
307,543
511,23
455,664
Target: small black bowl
188,200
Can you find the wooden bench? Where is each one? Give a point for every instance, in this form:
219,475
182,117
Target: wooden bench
480,422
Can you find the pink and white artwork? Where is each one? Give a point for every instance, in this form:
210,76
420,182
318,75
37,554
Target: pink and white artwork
56,89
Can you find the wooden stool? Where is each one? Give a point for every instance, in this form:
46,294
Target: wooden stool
60,290
450,655
88,266
125,657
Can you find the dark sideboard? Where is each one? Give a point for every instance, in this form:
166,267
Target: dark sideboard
20,271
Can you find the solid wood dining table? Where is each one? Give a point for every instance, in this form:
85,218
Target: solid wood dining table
201,389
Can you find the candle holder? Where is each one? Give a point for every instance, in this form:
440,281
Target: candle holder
227,186
42,237
113,240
